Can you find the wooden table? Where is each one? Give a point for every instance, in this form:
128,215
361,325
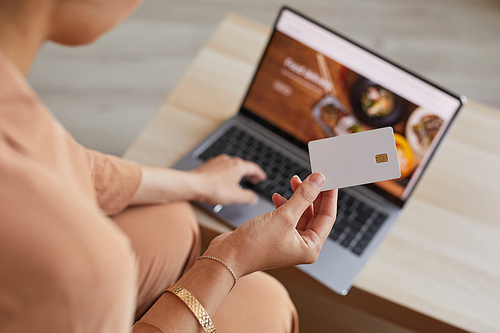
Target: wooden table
438,269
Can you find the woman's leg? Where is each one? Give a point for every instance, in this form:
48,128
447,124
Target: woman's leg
166,240
258,303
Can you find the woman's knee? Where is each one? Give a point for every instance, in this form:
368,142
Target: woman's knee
260,303
161,234
268,290
175,233
184,214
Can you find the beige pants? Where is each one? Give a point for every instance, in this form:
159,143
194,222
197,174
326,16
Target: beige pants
61,283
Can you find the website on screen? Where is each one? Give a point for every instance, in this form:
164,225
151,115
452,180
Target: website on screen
313,84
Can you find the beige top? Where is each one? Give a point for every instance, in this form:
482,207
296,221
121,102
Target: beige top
40,161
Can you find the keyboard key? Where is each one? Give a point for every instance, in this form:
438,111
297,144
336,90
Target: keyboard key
357,224
363,213
379,220
335,235
351,235
358,250
349,201
345,243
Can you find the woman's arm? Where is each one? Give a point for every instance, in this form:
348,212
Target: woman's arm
290,235
214,182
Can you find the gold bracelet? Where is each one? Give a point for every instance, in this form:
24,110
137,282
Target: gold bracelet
196,308
227,266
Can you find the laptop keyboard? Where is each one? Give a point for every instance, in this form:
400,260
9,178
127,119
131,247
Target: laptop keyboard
357,222
278,167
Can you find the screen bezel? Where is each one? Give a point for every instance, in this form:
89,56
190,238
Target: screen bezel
461,99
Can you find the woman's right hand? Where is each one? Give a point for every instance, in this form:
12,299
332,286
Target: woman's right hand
290,235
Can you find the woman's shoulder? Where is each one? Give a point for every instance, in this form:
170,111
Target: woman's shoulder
22,114
31,192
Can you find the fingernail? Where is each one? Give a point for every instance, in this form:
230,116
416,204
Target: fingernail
255,200
317,179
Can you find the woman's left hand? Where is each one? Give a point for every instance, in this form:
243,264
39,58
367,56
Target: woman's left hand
292,234
219,180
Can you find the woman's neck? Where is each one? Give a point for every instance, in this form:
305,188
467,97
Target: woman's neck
23,30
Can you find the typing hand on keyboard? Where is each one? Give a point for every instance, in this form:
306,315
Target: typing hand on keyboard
279,168
217,181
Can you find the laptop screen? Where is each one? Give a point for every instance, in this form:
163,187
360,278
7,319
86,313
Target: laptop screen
312,84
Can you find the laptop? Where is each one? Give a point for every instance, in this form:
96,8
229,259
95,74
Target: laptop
313,83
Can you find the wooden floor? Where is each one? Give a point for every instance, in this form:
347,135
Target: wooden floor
106,92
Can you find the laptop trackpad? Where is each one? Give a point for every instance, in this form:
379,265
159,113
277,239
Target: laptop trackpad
236,215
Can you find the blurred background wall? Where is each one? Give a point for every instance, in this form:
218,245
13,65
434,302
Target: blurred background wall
106,92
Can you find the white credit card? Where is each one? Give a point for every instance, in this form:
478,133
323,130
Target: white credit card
355,159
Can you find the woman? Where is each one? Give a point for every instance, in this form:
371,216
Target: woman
90,242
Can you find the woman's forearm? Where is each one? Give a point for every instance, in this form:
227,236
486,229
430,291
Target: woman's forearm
215,182
163,185
208,281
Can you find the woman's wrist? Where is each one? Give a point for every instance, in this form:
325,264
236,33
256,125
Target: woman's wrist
205,279
228,253
208,281
164,185
198,187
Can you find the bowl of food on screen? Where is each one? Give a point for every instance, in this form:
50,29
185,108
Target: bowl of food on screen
421,128
333,117
375,105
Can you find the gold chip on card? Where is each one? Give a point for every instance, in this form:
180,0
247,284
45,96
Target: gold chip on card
381,158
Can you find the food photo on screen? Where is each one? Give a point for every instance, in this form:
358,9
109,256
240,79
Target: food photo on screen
310,96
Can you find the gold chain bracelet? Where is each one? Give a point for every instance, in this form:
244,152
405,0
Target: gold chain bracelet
226,265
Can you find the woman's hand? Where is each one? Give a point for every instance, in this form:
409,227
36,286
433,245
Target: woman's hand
219,179
215,182
292,234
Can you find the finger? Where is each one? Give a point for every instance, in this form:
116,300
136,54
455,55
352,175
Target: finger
278,200
327,204
252,171
248,197
221,157
295,182
325,213
305,195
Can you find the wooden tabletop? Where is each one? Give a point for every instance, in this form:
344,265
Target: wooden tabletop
442,257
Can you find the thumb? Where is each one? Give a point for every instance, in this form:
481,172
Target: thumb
246,196
278,200
305,194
